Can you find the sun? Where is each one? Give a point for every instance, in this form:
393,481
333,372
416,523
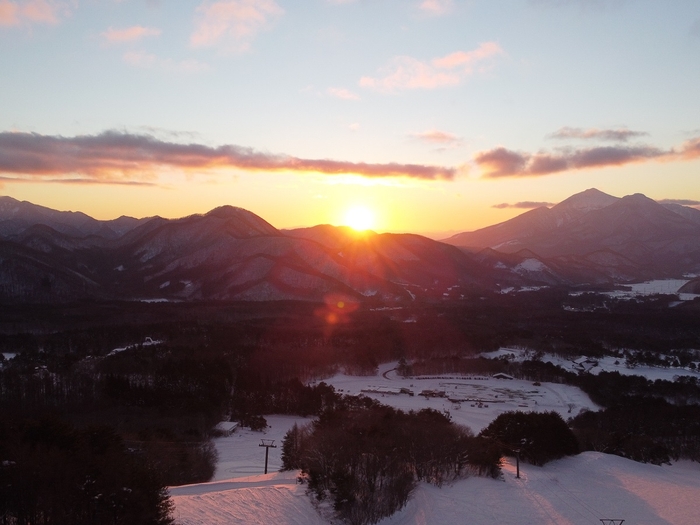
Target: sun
359,218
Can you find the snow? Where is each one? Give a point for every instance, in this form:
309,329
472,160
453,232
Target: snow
240,455
578,490
147,342
650,372
273,499
472,401
597,365
658,286
530,265
573,491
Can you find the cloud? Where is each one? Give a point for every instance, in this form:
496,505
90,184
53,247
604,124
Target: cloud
231,25
682,202
355,126
524,205
502,162
342,93
406,72
114,156
436,7
129,34
435,136
143,60
691,149
610,135
30,12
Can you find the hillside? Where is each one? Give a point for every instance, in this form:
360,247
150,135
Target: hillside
578,490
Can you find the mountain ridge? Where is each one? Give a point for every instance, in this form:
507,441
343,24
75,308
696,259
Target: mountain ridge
230,253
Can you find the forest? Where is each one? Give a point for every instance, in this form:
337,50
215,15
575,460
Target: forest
85,368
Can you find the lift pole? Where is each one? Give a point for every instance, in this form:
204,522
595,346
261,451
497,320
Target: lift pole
268,444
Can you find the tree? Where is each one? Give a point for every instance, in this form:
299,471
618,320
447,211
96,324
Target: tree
540,437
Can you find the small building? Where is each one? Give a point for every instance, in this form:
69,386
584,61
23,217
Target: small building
226,428
501,375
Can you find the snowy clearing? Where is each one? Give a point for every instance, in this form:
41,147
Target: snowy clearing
596,365
473,401
240,455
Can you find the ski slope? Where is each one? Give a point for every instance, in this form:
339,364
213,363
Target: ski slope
578,490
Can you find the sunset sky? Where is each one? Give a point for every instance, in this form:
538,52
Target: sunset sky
435,116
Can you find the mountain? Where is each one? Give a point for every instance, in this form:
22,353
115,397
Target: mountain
538,221
16,216
226,254
592,233
232,254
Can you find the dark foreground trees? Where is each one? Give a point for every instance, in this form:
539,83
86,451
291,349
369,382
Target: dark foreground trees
54,474
539,437
367,460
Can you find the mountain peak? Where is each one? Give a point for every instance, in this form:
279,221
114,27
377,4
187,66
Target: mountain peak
590,199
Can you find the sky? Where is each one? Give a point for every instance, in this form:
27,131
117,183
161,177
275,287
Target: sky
432,116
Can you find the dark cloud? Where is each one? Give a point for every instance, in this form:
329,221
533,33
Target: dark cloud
610,135
114,156
682,202
524,205
501,162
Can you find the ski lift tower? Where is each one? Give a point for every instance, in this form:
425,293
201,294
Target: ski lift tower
268,444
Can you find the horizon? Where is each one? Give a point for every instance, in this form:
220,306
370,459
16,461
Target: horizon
429,116
435,235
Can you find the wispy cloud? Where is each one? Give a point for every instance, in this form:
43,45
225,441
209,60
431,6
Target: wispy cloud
682,202
342,93
435,136
524,205
28,12
436,7
129,34
502,162
232,25
123,157
141,59
406,72
610,135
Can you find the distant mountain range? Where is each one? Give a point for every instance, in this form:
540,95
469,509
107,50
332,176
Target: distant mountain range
232,254
592,236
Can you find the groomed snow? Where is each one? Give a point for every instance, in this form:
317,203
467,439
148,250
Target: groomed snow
272,499
578,490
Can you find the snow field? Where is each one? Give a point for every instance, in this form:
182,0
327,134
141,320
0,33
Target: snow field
472,401
573,491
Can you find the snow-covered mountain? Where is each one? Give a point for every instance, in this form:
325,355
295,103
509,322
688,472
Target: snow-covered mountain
228,253
231,253
592,233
